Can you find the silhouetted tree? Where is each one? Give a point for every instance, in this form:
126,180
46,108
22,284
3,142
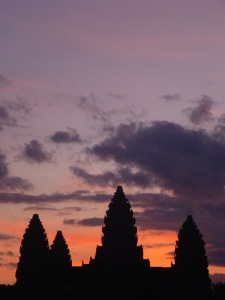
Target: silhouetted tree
33,263
60,257
191,263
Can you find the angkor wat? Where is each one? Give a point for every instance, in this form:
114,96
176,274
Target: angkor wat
118,270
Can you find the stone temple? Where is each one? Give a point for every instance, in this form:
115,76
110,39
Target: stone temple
118,269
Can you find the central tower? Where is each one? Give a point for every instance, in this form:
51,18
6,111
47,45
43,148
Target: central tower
119,248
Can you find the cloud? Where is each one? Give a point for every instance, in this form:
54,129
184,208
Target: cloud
12,111
121,175
70,136
8,182
59,211
79,195
18,106
101,179
15,183
4,81
171,97
202,112
3,166
5,118
190,163
160,211
89,104
219,129
11,265
91,222
95,110
69,222
7,253
6,237
38,208
35,152
160,245
217,257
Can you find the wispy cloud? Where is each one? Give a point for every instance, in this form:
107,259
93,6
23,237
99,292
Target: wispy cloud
5,118
69,222
90,222
7,253
13,111
171,97
78,195
161,245
6,237
69,136
112,178
8,182
202,112
34,151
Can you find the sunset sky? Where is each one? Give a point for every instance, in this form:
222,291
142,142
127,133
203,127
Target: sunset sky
98,93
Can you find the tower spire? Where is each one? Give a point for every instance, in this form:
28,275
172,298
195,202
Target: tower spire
119,235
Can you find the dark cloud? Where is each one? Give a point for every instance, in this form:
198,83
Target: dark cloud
161,212
80,195
96,112
122,176
69,222
219,129
7,253
3,166
216,257
13,111
35,152
5,118
19,107
90,222
70,136
171,97
4,81
160,245
84,222
60,211
39,208
11,265
72,208
202,112
191,163
89,104
6,237
15,183
8,182
102,179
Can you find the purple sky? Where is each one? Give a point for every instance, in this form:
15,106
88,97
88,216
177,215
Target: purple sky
95,94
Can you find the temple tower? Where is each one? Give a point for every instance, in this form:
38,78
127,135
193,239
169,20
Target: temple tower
33,266
191,264
119,248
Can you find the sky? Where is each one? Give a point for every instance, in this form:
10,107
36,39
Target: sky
96,94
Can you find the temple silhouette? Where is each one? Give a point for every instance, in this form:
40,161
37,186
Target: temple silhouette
118,269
